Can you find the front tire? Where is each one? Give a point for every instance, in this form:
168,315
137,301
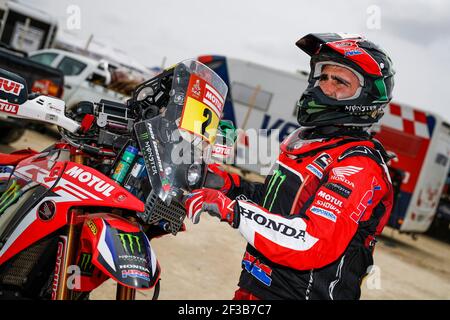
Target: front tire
10,134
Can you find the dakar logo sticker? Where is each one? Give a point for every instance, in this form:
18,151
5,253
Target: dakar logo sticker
196,89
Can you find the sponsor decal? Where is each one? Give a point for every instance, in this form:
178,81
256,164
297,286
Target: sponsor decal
330,198
134,267
314,171
323,161
353,52
257,269
274,185
339,189
9,107
346,171
343,180
327,205
152,157
130,242
365,201
344,44
135,274
85,264
10,195
148,152
356,108
133,258
90,180
213,99
10,86
323,213
92,227
221,150
59,259
273,225
46,210
5,172
196,89
201,113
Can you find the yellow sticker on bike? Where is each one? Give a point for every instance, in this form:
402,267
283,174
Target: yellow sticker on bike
202,109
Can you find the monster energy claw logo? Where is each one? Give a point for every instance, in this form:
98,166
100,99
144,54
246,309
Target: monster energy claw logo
144,136
9,196
132,240
85,262
273,187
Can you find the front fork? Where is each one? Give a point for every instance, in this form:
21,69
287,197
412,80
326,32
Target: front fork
125,293
65,258
67,247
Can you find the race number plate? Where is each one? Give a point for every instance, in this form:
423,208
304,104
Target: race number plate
202,109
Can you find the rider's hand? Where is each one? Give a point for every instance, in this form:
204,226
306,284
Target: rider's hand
230,180
215,203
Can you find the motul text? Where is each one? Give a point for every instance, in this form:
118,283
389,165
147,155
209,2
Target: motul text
91,180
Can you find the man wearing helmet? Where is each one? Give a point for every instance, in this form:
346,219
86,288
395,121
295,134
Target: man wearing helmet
312,226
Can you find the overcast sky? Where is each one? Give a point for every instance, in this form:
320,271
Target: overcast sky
416,34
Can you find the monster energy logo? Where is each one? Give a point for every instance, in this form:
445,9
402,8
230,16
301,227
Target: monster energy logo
132,240
86,262
9,196
274,184
144,136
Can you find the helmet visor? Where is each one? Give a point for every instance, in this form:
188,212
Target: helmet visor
337,81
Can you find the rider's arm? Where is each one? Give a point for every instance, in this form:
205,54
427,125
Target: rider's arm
351,192
253,191
233,185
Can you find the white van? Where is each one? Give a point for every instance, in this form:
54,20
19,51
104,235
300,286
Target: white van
265,98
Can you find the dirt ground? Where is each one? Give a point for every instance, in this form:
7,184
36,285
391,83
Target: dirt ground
204,261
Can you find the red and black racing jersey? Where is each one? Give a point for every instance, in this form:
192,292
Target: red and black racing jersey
311,226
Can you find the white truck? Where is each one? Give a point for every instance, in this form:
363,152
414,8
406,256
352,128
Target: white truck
261,97
84,77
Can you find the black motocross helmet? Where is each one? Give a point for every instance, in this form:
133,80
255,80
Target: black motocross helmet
370,64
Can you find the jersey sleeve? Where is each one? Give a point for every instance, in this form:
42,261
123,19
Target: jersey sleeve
349,192
253,191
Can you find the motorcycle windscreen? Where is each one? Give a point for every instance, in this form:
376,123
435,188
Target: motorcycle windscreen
120,250
179,141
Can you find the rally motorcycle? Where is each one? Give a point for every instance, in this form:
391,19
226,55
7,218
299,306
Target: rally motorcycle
85,209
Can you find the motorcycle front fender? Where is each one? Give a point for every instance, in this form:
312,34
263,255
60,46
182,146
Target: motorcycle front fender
119,249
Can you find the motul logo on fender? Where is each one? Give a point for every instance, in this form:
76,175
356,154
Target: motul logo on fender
10,86
8,107
91,180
